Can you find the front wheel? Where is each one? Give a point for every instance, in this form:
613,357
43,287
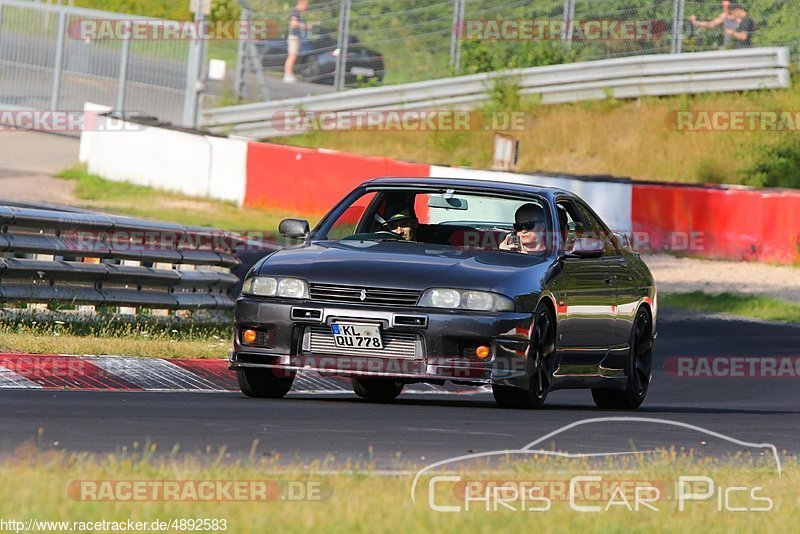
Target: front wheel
264,383
638,368
541,356
377,389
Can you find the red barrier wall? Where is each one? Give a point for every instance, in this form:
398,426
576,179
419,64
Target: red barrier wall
715,222
309,180
718,222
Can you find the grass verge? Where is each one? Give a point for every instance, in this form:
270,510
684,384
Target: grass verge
149,337
52,486
97,193
633,137
757,307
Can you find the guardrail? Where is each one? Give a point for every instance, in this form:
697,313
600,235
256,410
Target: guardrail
88,258
666,74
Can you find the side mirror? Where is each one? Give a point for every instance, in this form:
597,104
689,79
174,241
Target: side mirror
587,247
294,228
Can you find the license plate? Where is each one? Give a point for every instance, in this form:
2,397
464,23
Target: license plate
362,71
353,335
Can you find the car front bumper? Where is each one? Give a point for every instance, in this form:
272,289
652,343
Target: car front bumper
442,347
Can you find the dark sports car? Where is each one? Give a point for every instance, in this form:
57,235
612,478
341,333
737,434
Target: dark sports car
425,280
316,61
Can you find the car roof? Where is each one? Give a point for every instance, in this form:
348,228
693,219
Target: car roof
468,183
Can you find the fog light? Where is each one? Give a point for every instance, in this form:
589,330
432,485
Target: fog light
482,352
249,336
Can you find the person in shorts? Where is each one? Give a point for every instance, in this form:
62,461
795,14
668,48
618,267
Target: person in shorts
297,28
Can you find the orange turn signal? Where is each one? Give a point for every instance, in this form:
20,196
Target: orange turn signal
482,352
249,336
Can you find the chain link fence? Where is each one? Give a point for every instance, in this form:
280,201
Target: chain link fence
348,43
44,65
400,41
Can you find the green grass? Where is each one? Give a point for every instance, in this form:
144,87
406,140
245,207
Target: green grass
630,137
758,307
201,335
95,192
42,484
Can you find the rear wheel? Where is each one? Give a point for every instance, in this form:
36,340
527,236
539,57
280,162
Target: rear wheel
264,383
638,368
377,389
541,357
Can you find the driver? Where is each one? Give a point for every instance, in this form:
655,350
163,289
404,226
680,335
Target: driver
404,224
529,230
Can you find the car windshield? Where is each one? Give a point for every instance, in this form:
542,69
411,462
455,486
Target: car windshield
462,219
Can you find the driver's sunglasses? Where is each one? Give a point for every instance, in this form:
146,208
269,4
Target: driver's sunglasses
527,225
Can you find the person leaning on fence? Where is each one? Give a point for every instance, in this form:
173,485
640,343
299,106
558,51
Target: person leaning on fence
745,28
297,28
727,19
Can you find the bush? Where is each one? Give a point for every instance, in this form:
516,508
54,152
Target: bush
775,165
480,56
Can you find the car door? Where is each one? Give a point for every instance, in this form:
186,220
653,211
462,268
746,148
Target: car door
587,301
621,277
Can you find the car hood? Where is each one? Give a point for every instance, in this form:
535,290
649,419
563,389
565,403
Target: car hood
401,265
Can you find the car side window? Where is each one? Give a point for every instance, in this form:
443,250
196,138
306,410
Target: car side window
569,221
597,230
348,222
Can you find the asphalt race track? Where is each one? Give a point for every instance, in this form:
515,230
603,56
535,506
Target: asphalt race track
426,428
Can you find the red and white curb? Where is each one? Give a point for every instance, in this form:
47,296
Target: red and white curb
122,373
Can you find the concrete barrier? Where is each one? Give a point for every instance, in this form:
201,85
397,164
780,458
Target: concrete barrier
167,159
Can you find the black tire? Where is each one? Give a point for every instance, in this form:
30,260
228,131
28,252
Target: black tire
263,383
638,369
377,389
541,363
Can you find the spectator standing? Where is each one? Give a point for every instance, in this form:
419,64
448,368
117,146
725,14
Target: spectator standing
297,29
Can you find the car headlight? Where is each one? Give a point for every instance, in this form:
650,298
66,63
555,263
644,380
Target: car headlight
463,299
441,298
269,286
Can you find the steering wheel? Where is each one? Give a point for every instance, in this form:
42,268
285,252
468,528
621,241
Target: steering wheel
386,234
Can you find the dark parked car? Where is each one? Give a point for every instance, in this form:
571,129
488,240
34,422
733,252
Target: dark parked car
405,281
316,61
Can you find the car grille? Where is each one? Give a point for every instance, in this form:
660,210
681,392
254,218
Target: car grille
400,345
372,295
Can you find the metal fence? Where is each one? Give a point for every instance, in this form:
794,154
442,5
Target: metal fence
428,39
350,44
44,66
75,257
